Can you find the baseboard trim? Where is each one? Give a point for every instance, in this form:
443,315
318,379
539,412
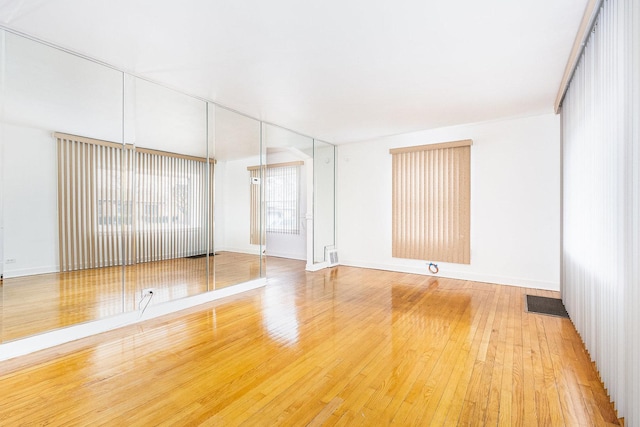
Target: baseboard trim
285,255
249,251
317,266
453,274
10,274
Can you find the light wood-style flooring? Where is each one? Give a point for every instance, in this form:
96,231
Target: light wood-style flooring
43,302
343,346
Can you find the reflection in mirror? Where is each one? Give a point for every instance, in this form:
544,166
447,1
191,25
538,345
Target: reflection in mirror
288,191
324,200
2,168
103,174
52,276
166,197
238,219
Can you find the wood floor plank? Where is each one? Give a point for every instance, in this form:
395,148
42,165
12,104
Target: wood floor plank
528,374
469,380
343,346
449,406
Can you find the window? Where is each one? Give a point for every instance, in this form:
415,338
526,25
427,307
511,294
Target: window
431,192
280,199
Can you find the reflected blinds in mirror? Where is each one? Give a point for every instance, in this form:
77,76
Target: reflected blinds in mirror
157,202
88,203
170,207
281,197
431,192
256,235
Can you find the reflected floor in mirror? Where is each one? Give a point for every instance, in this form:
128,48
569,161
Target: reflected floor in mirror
341,346
44,302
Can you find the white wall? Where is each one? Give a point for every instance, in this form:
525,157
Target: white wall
232,219
29,202
515,202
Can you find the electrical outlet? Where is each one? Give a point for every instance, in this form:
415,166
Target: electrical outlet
147,292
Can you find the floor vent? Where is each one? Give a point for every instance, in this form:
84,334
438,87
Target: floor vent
545,305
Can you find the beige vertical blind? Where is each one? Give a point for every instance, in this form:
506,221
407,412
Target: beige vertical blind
286,175
601,201
157,202
89,173
256,230
170,206
431,190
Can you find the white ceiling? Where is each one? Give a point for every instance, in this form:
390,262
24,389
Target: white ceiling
338,70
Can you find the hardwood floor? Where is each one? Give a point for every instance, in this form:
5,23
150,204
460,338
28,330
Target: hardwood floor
35,304
343,346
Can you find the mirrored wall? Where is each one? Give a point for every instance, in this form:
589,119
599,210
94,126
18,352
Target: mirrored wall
111,186
288,193
324,207
238,218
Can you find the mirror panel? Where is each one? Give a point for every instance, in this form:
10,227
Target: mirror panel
324,199
2,169
288,194
167,194
46,286
238,218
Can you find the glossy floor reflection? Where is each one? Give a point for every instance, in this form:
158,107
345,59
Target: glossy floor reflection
40,303
344,346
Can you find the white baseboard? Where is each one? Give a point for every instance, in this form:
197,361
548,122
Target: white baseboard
21,347
461,275
317,266
250,251
9,274
285,255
